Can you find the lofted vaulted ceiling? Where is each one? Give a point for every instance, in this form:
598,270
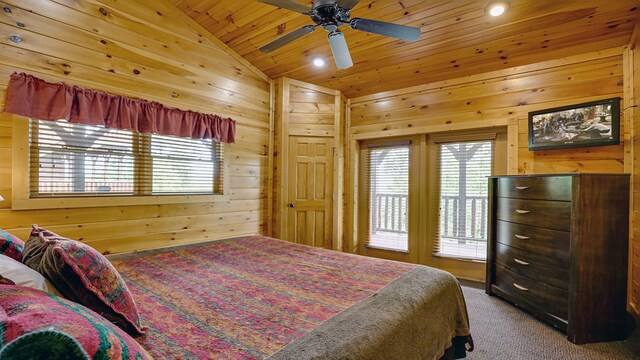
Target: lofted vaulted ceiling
457,38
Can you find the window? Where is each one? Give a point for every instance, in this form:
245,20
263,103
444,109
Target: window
184,165
388,192
463,168
71,160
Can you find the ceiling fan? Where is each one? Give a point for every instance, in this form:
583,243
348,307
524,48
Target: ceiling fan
331,14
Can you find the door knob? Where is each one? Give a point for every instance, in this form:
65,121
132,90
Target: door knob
292,205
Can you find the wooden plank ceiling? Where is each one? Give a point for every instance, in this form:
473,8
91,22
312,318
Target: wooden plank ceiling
457,39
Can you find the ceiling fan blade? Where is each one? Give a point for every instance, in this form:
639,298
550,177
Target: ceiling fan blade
348,4
340,50
407,33
288,4
284,40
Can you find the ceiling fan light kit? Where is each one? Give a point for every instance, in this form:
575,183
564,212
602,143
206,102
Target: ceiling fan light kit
330,15
340,50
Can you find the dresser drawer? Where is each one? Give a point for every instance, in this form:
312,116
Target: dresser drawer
551,271
533,295
542,188
542,213
546,242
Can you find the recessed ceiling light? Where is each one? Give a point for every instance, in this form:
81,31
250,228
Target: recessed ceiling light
496,8
318,61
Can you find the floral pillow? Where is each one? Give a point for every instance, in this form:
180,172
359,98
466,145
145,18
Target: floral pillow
11,246
82,274
43,325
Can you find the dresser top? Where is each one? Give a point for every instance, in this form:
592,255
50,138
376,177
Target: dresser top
557,174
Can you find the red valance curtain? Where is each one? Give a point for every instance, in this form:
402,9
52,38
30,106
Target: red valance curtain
35,98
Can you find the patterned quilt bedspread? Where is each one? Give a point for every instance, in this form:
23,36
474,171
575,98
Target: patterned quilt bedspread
257,297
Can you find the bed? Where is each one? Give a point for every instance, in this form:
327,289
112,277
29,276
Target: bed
261,298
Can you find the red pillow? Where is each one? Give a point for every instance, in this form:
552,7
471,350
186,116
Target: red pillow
83,275
25,311
11,246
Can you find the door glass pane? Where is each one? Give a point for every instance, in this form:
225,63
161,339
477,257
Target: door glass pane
464,168
388,198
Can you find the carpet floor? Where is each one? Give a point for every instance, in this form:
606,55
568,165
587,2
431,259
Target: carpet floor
502,331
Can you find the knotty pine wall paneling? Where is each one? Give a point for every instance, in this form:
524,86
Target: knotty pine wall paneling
499,99
503,98
150,50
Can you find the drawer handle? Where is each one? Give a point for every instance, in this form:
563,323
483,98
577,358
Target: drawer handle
519,287
522,237
520,262
522,187
522,211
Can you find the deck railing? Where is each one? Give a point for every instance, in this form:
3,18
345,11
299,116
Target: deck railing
89,187
390,213
463,217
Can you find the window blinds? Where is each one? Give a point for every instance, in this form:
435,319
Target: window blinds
80,160
388,194
183,165
463,168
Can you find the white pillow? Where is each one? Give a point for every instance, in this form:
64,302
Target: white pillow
21,274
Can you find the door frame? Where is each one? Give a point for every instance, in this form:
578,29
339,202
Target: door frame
413,253
425,196
281,156
463,268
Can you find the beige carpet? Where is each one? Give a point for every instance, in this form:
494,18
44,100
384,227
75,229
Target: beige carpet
501,331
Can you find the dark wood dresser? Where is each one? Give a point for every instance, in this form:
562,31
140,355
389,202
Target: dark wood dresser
558,248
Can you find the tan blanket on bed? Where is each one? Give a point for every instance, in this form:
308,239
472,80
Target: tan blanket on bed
416,315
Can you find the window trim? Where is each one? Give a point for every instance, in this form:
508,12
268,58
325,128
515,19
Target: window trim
20,199
412,255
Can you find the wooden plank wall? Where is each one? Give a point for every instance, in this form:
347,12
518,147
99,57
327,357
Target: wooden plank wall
503,98
150,50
